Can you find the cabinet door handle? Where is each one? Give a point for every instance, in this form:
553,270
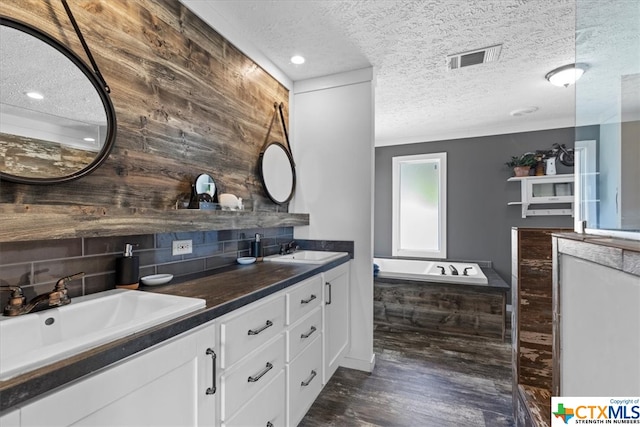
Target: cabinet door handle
212,389
266,369
307,301
308,334
257,331
329,298
308,380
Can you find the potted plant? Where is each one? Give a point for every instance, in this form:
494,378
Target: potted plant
522,164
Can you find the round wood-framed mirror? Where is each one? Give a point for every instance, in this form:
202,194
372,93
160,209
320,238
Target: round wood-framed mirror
278,173
57,121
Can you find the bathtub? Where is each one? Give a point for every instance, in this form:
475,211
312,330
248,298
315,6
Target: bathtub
430,271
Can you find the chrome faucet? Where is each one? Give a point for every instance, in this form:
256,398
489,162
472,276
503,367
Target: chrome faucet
287,248
454,271
59,296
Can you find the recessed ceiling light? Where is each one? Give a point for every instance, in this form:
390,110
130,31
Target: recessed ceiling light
522,111
297,59
89,139
35,95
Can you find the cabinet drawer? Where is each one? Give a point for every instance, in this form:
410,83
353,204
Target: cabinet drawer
249,329
248,377
304,332
305,381
304,298
268,406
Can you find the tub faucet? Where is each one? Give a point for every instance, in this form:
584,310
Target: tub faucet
59,296
287,248
442,271
464,272
454,271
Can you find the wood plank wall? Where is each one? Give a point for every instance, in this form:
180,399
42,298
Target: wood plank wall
532,328
186,101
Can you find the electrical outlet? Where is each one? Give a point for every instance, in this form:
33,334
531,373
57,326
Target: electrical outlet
182,247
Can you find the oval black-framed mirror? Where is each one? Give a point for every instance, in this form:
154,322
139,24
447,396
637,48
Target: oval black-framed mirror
206,186
277,172
65,134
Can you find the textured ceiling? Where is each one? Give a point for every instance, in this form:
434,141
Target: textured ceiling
417,97
30,65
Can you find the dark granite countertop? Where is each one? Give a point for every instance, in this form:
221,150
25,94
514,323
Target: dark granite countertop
608,241
224,290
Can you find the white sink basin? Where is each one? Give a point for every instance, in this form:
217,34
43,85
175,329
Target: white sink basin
37,339
306,257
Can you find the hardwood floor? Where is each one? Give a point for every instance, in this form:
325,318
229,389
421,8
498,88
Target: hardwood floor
421,380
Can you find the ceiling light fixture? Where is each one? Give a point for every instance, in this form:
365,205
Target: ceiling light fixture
566,75
522,111
35,95
297,59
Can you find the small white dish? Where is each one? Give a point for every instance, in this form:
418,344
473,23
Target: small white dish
246,260
156,279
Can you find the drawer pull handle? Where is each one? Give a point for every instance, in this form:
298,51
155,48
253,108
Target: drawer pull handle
307,301
210,352
308,380
329,297
266,369
308,334
257,331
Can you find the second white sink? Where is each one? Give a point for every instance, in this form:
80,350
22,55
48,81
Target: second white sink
34,340
306,257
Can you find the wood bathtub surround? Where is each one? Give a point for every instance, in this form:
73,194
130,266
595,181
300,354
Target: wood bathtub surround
452,309
186,100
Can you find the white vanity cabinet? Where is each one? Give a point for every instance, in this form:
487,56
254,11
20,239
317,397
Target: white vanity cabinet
266,408
263,364
166,385
336,318
10,419
252,349
304,351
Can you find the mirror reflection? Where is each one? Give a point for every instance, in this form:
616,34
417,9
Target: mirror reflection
56,121
206,188
277,172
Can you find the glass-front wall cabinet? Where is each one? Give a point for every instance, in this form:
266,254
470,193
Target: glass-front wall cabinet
608,95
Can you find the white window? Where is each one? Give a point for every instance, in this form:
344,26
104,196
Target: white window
420,206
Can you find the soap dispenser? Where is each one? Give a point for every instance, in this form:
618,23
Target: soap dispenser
127,269
256,248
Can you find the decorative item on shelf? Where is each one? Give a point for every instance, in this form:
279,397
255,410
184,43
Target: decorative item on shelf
522,164
550,166
194,201
539,164
230,202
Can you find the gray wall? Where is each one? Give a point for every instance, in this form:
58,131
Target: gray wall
479,220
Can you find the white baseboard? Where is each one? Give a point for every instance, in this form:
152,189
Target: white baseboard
359,364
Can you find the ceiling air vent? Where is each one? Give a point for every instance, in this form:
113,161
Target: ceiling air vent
473,57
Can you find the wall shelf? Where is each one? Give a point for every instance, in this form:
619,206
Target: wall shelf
45,222
544,190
